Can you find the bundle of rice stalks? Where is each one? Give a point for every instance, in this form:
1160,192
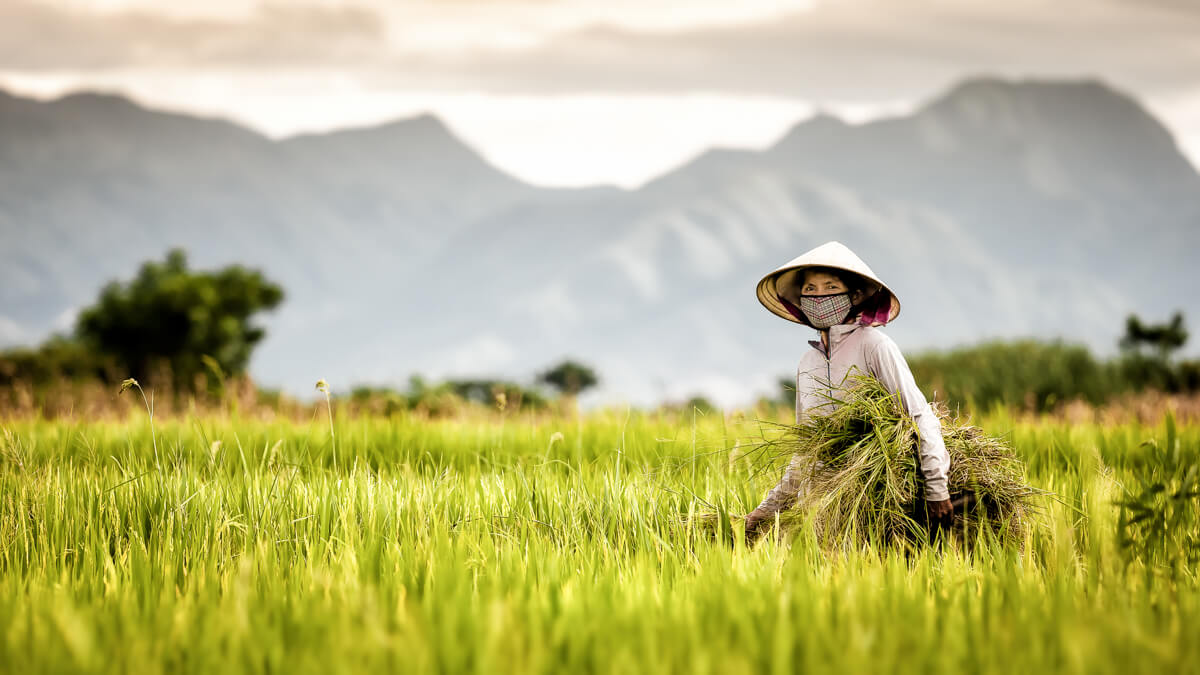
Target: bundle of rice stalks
863,482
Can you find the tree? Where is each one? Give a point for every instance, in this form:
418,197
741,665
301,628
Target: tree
1148,348
170,315
1162,338
569,378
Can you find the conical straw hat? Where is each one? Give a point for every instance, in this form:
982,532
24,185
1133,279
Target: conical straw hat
778,287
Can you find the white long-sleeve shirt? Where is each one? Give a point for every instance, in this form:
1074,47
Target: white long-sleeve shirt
871,351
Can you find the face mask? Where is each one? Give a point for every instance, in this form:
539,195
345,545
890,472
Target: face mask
824,311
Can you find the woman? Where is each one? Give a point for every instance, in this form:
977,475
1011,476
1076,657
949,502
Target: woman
832,289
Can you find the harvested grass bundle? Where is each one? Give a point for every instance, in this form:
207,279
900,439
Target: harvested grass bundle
863,484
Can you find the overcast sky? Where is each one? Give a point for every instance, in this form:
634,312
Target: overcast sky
572,92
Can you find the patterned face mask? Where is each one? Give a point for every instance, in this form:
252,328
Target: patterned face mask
824,311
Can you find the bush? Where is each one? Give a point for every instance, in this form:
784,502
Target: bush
1188,373
59,358
1025,374
502,394
378,400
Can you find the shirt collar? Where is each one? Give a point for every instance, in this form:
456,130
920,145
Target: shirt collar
836,335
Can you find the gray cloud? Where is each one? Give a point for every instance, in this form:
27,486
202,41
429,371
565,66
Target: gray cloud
856,50
39,37
843,50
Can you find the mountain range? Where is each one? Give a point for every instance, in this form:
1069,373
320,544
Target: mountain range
998,209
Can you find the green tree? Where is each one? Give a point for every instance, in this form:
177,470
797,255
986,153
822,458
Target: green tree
1147,350
569,378
1162,339
171,315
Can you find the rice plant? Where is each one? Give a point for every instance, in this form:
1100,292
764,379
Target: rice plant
1160,512
862,483
537,545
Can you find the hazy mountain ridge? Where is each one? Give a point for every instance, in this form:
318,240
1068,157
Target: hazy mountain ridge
999,208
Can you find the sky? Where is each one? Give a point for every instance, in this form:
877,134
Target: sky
579,92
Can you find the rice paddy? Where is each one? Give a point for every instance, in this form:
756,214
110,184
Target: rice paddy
548,545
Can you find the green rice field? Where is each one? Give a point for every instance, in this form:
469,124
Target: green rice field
550,545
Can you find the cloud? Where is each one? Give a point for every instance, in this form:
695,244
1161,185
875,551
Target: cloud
484,353
304,66
839,50
854,50
35,36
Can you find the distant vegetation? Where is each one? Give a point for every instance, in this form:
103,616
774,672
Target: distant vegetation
189,322
570,378
1024,374
1038,376
188,335
168,323
448,397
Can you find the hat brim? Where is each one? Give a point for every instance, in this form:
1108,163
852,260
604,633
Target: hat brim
778,289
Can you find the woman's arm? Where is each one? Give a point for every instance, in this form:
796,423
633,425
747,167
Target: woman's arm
784,494
888,365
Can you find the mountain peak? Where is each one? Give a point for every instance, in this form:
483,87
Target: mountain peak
821,122
425,120
422,142
996,85
425,126
823,119
76,102
817,131
96,99
1067,103
1085,119
113,119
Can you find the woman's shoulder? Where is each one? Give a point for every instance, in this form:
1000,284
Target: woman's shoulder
873,338
878,349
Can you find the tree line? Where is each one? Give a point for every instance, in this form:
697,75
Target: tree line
1038,375
188,331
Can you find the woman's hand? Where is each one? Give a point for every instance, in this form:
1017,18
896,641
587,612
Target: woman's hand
755,519
939,510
